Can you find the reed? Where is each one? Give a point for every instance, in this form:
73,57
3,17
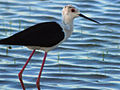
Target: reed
10,26
19,24
103,56
58,59
9,47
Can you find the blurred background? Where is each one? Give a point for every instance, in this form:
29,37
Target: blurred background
88,60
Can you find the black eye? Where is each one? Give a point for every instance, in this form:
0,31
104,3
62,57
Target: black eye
72,10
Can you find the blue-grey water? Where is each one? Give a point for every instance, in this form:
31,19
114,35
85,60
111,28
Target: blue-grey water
88,60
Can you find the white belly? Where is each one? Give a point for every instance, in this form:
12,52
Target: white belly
46,49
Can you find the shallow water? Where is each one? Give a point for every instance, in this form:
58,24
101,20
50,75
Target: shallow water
88,60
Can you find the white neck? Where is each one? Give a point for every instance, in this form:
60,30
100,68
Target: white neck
67,26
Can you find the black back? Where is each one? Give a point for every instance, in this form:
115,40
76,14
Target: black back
43,34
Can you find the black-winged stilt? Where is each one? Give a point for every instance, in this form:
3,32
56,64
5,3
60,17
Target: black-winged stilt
45,36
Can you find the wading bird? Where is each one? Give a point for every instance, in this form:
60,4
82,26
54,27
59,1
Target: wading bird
45,36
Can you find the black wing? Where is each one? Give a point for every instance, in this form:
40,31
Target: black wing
43,34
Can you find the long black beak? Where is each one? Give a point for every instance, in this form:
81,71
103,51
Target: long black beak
81,15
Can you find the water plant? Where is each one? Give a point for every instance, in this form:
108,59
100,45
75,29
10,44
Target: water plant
9,47
103,56
58,59
19,24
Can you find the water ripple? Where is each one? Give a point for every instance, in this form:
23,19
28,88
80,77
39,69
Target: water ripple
89,60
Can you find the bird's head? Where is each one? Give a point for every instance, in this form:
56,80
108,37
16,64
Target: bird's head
70,12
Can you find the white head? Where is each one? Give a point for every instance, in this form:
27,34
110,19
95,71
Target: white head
69,12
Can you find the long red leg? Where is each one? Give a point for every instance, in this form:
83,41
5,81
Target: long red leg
20,73
38,79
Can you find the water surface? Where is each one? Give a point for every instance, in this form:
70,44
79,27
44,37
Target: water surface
88,60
